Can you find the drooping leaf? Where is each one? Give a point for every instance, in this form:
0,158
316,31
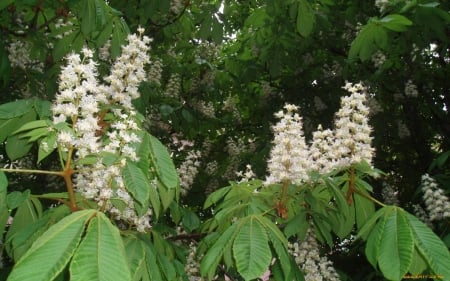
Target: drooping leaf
212,258
101,254
396,247
164,166
8,126
135,256
364,209
17,147
396,22
14,109
431,248
137,184
251,250
46,146
51,252
305,18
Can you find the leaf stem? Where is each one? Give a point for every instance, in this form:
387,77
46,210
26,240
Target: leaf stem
29,171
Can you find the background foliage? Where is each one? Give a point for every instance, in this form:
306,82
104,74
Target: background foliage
219,71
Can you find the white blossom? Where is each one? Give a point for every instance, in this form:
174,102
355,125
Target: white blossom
437,204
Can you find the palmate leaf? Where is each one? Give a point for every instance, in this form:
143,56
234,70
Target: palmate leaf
48,256
212,258
251,249
135,256
101,254
431,248
397,245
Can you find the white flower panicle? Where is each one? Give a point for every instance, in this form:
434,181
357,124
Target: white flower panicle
307,256
82,102
291,159
188,170
437,204
128,71
411,89
352,142
289,156
322,156
19,56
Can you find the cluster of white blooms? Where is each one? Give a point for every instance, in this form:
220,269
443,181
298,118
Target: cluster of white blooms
374,106
438,205
289,156
64,27
382,5
155,71
80,102
350,142
352,131
176,6
319,105
390,194
247,175
411,89
321,152
206,108
173,86
211,167
104,53
378,59
422,215
403,131
192,267
307,256
188,170
19,56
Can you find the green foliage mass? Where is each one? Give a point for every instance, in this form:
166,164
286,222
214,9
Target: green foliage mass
225,68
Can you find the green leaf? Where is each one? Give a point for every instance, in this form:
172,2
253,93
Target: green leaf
397,245
16,198
51,252
251,250
165,169
88,17
46,146
33,125
396,22
190,220
217,195
372,248
5,4
212,258
137,184
21,241
364,209
135,256
14,109
364,44
4,212
297,225
16,147
367,227
431,248
418,264
305,18
101,253
7,127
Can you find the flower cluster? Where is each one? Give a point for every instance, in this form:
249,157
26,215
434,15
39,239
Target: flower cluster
188,170
79,114
307,256
289,156
411,89
19,56
291,159
438,205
